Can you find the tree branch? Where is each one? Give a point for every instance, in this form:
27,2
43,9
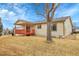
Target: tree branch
47,8
37,12
54,9
53,4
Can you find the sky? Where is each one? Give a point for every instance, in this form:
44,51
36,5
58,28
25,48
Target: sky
11,12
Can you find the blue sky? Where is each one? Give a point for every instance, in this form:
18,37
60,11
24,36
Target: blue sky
12,12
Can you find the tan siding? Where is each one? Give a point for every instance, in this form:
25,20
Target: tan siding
43,30
62,29
59,31
68,27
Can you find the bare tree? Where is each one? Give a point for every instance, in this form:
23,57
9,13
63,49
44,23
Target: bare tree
1,27
48,15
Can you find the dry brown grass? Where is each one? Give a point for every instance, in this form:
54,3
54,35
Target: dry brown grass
34,45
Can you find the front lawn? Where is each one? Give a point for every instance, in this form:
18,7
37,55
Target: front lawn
36,46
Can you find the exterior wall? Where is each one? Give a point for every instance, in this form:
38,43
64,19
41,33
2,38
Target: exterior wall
68,27
59,31
43,30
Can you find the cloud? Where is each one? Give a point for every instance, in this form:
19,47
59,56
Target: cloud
12,16
3,11
12,13
18,9
7,15
69,11
6,12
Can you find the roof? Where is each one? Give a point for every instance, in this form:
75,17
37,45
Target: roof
61,19
21,22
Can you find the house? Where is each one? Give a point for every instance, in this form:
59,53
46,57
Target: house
59,27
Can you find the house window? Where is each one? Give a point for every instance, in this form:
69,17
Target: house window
39,26
54,27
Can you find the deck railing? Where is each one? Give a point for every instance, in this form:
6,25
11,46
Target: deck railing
25,32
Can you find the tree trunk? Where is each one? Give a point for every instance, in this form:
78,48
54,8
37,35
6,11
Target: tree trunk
49,39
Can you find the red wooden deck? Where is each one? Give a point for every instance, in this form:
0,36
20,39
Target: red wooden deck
25,32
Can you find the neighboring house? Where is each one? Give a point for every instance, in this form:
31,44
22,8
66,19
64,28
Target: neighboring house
59,27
